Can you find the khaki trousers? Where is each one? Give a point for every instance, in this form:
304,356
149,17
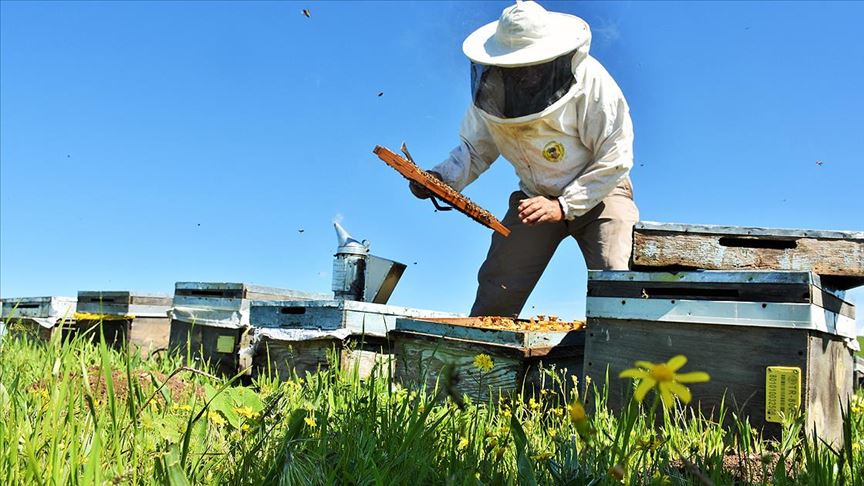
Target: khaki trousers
515,263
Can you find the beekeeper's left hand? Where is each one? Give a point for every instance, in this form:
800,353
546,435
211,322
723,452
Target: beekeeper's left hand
540,209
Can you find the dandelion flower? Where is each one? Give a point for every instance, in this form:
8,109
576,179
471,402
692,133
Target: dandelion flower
246,412
463,444
215,418
543,456
663,376
577,413
310,421
533,404
579,419
181,408
483,363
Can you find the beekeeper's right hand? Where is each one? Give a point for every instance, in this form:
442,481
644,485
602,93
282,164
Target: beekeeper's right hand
421,192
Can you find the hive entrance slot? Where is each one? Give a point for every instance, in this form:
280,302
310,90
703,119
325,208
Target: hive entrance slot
293,310
742,242
690,293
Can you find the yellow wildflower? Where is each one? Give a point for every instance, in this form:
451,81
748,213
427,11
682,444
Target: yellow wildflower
664,377
558,411
660,479
244,428
181,408
543,456
533,404
246,412
215,418
483,363
577,413
552,432
579,419
310,421
463,444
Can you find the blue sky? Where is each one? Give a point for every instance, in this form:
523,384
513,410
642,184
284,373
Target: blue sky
147,143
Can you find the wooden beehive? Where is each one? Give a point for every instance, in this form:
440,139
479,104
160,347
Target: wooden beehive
209,319
423,347
39,317
125,319
837,256
355,331
743,328
289,353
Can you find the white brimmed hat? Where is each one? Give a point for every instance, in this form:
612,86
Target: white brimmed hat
526,34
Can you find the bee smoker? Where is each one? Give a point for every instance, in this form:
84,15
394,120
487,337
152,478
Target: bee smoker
360,276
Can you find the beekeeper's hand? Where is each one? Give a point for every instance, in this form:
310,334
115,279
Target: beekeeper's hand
421,192
540,209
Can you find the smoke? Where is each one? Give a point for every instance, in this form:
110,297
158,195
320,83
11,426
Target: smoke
607,32
338,218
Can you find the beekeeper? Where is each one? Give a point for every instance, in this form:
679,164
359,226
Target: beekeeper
547,106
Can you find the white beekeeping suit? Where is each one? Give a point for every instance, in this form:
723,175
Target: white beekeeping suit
578,149
545,105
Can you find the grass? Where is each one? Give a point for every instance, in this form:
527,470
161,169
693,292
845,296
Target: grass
79,413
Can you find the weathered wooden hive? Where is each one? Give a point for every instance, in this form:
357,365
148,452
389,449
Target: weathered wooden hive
836,256
39,317
519,351
761,310
293,337
209,319
124,319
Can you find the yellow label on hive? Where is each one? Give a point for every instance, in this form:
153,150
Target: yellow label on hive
225,344
782,393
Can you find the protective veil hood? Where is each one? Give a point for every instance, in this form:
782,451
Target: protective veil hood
527,61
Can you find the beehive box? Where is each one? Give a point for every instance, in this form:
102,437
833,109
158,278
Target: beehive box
423,347
837,256
39,317
355,331
209,319
289,353
748,330
137,320
360,318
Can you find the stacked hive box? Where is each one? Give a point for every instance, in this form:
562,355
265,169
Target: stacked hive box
294,337
209,319
39,317
124,318
519,350
775,335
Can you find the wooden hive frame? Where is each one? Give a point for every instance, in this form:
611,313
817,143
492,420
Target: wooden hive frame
410,171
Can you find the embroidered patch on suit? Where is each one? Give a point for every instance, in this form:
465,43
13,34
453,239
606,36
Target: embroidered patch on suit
553,152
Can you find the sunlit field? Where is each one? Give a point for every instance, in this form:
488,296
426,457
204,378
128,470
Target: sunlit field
78,413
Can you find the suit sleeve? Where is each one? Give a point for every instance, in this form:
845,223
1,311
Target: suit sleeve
474,154
604,127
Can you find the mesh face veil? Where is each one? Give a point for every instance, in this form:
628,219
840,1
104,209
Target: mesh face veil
513,92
